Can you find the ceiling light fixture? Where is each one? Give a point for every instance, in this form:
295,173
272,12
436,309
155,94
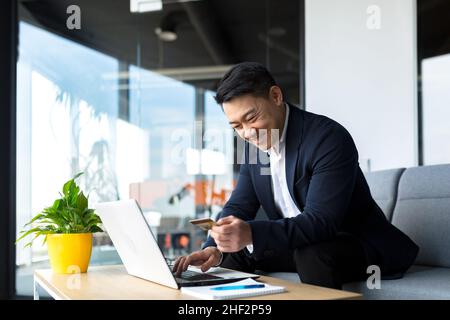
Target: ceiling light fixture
169,24
145,5
166,34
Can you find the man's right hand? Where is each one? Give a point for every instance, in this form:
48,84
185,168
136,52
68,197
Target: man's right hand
206,258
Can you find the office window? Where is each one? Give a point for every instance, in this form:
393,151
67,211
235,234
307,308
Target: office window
436,109
66,123
434,58
219,145
164,108
132,107
70,120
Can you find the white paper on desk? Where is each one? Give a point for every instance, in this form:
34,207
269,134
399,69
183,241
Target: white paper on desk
205,292
225,273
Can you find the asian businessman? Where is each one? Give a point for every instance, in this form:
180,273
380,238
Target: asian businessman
323,222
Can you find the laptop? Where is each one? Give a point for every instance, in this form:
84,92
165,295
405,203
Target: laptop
137,247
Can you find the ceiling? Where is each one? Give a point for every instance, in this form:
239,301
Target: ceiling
210,33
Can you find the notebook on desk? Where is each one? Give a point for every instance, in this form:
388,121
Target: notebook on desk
211,292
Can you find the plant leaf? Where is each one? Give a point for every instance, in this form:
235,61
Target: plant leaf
26,233
69,214
77,175
82,202
37,217
56,204
67,186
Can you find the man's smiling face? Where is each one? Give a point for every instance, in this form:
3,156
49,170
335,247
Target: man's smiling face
255,119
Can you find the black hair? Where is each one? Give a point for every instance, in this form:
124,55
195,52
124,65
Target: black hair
244,78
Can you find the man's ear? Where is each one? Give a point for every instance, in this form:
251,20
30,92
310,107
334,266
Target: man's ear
276,95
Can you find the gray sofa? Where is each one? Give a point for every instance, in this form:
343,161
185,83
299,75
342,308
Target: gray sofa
417,201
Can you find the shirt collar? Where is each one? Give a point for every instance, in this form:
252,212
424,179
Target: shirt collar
276,148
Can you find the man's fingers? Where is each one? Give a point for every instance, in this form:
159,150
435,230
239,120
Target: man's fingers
193,259
175,265
186,263
178,268
224,229
227,228
225,220
208,264
219,236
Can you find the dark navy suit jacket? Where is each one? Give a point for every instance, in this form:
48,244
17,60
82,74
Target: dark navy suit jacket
328,187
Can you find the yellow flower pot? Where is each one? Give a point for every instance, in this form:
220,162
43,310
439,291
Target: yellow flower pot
69,252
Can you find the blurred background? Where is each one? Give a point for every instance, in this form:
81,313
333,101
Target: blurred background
127,98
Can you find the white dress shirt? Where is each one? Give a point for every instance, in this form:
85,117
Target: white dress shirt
283,199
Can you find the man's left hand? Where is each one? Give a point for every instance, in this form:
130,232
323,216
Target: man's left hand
231,234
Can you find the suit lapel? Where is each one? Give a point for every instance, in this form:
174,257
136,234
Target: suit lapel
293,141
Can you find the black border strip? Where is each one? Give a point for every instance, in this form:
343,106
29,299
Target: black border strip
8,61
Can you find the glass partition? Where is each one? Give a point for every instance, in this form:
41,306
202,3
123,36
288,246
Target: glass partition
126,97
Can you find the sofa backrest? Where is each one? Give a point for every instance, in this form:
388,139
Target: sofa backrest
422,212
383,187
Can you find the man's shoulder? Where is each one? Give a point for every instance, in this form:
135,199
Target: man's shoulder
317,125
313,120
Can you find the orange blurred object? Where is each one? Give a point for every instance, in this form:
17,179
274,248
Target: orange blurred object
183,241
167,241
147,192
203,188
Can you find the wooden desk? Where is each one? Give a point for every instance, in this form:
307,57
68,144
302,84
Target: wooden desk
113,282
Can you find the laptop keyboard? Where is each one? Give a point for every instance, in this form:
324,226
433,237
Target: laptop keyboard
192,275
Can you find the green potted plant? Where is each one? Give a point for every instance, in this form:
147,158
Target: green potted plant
67,226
